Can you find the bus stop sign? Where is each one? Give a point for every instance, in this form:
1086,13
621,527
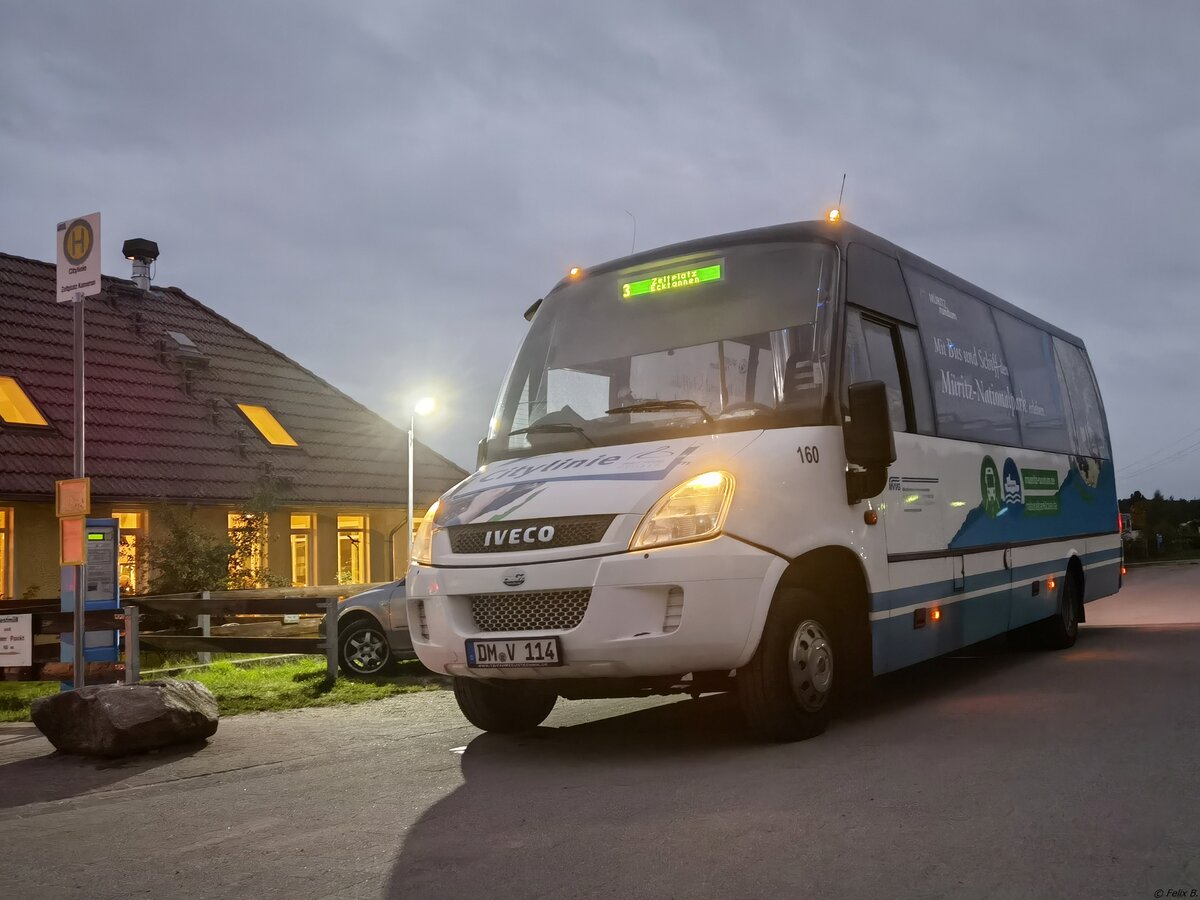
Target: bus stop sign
78,243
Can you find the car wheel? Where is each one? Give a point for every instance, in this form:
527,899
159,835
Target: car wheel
363,649
506,707
1059,631
786,689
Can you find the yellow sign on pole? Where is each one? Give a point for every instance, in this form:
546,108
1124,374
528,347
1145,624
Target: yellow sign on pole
72,541
73,497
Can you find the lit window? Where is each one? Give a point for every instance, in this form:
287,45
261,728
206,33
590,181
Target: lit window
15,406
129,557
268,426
248,564
6,518
303,543
352,549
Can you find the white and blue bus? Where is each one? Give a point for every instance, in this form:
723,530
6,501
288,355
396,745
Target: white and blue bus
774,462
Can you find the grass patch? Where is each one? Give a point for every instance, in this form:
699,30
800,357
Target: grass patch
301,684
15,697
296,684
156,659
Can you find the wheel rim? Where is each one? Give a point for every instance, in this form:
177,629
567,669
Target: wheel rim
810,666
366,651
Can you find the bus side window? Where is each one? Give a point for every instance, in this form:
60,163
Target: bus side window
1088,432
918,380
871,355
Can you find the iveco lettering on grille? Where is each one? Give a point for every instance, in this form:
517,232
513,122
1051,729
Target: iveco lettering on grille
515,537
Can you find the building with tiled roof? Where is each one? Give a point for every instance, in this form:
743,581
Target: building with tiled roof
186,409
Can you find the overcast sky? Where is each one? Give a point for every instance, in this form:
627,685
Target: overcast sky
380,189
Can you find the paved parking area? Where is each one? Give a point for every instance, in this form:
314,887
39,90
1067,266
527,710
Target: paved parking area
993,773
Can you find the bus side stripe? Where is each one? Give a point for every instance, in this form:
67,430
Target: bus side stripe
902,601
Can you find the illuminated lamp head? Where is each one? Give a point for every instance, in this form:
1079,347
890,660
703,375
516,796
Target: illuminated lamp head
834,215
574,272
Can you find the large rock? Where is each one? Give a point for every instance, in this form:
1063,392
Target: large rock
118,719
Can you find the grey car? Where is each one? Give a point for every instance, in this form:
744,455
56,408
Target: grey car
373,631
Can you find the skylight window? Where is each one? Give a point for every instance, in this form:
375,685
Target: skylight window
268,426
182,339
15,406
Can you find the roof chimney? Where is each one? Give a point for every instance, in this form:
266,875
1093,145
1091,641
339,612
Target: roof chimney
141,252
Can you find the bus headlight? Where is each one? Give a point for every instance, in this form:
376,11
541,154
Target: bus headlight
692,511
422,551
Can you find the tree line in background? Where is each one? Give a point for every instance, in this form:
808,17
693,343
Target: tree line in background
1161,526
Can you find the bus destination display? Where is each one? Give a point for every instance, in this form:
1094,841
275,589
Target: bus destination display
671,281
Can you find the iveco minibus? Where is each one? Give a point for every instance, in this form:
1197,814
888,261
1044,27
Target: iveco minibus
774,462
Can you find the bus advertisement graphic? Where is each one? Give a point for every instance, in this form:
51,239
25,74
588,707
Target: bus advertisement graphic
989,487
1012,484
1045,483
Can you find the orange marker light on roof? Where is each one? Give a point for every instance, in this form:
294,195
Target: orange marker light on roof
574,272
835,215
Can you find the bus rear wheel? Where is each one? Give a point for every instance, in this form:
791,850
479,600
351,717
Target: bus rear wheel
1059,631
786,690
505,707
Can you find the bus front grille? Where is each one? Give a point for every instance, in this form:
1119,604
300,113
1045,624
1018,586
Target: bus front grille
528,534
559,610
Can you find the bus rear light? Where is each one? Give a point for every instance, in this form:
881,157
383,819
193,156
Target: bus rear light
1122,570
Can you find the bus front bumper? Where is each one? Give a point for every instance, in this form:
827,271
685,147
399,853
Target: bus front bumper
686,608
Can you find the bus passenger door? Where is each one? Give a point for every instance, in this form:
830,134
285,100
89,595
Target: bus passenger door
911,505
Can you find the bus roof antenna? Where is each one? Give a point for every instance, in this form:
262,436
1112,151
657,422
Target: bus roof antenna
842,191
633,243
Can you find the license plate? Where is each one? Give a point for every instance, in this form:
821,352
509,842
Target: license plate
513,653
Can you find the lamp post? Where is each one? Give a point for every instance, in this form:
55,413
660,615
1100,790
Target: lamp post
422,407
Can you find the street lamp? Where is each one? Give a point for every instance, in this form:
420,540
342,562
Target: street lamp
422,407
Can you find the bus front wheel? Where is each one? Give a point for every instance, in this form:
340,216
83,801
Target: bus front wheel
786,689
505,707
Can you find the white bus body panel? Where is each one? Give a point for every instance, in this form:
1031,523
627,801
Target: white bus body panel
782,506
966,528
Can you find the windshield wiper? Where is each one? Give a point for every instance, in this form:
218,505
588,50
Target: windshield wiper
551,427
662,406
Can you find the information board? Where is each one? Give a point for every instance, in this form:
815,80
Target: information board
16,640
101,562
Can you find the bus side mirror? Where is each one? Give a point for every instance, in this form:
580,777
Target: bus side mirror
870,444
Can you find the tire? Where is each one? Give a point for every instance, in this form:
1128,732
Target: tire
505,707
786,690
363,649
1059,631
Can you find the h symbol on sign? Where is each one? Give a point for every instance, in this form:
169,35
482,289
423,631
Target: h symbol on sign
78,242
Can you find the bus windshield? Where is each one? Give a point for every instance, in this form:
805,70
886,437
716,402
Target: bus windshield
732,339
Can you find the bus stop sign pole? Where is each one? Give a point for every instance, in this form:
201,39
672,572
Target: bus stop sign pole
79,261
78,676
